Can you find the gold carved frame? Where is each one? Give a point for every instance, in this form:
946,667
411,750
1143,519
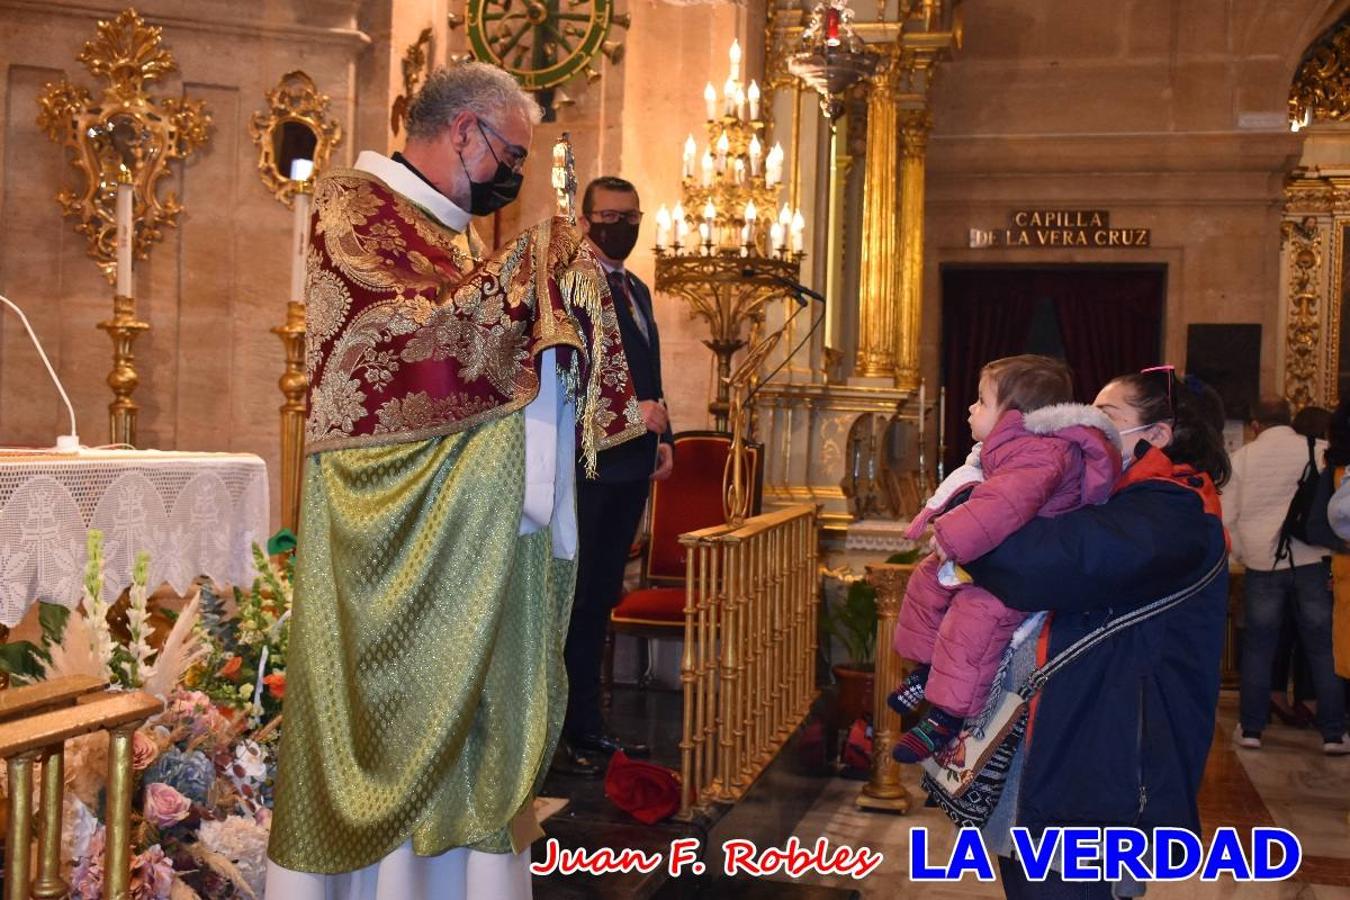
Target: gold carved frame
294,103
125,134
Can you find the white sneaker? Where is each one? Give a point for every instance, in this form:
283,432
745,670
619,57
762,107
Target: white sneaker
1254,742
1337,748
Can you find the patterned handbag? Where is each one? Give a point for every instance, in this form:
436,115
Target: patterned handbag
966,779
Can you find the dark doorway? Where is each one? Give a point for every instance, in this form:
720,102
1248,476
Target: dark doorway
1103,320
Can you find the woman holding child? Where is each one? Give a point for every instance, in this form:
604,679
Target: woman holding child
1120,735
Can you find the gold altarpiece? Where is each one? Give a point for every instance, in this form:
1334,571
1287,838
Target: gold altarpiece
867,259
1315,228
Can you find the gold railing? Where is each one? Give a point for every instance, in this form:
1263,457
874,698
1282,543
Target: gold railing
749,649
35,723
883,790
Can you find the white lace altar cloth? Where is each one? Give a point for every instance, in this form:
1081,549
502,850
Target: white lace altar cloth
194,513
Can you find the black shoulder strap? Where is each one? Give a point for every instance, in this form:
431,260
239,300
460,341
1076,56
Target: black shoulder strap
1039,677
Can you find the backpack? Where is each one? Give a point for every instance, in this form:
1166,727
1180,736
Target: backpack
1306,519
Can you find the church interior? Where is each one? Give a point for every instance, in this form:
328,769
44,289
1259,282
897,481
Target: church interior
849,207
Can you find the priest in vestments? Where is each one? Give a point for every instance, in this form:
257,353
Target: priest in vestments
449,398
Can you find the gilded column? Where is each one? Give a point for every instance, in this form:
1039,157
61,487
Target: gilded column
877,325
294,384
914,127
884,789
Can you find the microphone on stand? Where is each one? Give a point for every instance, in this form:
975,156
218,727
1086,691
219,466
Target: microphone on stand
65,443
801,290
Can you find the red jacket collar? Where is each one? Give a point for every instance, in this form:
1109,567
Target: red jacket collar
1155,466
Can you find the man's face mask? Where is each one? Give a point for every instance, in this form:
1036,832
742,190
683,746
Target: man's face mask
618,238
486,197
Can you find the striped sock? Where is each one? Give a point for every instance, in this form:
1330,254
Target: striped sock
929,736
909,696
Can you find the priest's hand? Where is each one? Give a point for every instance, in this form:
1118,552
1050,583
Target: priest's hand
654,415
665,462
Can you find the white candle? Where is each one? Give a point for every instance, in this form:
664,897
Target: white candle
301,169
773,166
707,169
756,151
735,58
681,226
740,102
785,216
709,212
723,148
798,232
776,234
751,213
124,199
690,151
299,245
729,97
705,235
662,227
738,169
754,102
710,100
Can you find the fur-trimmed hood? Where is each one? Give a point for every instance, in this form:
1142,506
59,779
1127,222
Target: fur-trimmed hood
1095,441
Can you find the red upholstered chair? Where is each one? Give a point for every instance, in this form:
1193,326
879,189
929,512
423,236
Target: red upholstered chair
687,501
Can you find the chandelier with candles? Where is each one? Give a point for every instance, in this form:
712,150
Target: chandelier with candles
729,244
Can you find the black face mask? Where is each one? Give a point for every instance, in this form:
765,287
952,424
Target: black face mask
615,239
486,197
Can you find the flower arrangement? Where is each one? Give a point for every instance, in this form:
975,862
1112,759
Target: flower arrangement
204,766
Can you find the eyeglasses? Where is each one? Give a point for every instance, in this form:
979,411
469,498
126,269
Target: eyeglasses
515,154
613,216
1170,373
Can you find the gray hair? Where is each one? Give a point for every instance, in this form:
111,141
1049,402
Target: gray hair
475,87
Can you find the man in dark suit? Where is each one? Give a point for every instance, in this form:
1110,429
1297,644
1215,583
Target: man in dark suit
609,507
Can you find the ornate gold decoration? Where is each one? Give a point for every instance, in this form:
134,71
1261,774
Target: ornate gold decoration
1303,329
884,790
915,123
124,131
832,58
294,384
123,328
878,329
1321,89
416,67
295,126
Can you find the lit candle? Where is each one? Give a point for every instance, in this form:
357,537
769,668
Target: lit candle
710,100
776,233
753,96
738,169
756,151
773,166
751,213
705,235
785,216
740,102
681,225
301,169
735,58
662,227
690,150
745,236
723,148
798,232
707,169
709,212
729,97
124,238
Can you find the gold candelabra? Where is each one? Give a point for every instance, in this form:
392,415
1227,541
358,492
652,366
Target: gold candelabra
727,247
123,328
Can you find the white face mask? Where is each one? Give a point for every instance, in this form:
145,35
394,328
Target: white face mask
1135,428
1127,458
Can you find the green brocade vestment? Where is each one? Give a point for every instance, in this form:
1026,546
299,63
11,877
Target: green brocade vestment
425,691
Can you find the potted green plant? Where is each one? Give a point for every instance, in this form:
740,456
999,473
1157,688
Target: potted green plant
854,623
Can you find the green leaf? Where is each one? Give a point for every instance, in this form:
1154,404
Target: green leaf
20,659
52,617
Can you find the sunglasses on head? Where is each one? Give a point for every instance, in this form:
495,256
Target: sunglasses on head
1169,372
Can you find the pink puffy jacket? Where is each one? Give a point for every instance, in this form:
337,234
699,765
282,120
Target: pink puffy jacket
1045,463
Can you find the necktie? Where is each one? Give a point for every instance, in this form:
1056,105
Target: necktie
618,286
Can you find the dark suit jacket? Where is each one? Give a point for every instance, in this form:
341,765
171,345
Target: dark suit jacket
635,460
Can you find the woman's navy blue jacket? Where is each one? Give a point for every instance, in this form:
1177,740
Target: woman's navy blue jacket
1120,737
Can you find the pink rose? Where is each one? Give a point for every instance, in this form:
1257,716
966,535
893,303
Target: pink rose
164,806
144,751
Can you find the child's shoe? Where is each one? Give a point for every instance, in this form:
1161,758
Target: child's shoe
928,737
909,695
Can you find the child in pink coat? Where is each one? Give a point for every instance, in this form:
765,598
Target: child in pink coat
1038,455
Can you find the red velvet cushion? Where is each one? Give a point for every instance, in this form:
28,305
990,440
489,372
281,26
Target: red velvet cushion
661,606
